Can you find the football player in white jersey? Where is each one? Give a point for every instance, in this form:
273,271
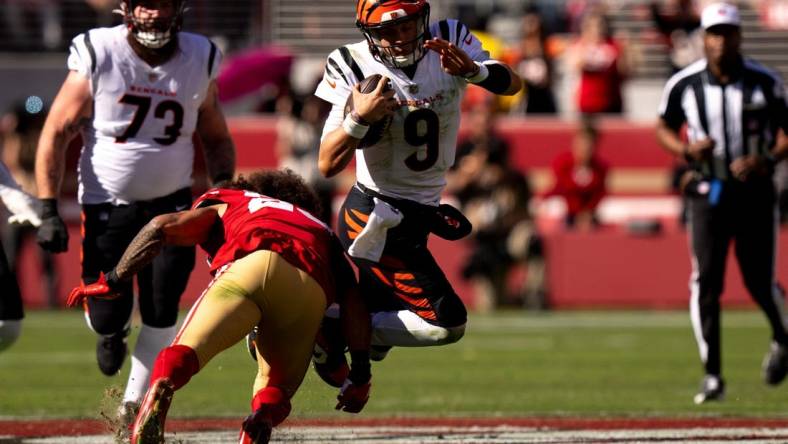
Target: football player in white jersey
24,211
388,215
137,93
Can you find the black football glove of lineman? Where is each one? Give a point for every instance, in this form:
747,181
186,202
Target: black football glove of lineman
52,235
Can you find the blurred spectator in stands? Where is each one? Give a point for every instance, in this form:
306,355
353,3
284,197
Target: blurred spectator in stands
773,13
298,143
495,197
580,176
20,127
477,22
104,10
602,63
577,10
228,21
533,58
30,25
679,23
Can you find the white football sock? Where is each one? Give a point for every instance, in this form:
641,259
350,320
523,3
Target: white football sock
406,329
10,330
149,343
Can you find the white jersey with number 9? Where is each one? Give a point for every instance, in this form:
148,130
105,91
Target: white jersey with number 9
411,160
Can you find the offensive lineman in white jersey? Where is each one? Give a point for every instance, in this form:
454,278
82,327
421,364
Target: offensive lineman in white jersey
137,93
387,217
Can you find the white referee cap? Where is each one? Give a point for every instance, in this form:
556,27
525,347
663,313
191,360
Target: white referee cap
720,14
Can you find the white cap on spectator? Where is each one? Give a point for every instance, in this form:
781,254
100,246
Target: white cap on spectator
720,14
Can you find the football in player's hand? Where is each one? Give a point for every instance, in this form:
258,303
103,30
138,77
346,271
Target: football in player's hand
376,129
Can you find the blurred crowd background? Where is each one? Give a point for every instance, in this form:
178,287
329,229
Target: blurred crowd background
594,72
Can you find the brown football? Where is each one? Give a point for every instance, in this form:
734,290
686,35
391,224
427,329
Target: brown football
376,129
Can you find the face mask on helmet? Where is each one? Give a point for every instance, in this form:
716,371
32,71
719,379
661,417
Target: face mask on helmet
402,24
157,22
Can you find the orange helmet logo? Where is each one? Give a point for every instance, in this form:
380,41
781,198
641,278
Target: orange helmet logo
374,15
376,12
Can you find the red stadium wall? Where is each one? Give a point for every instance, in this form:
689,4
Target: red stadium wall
608,268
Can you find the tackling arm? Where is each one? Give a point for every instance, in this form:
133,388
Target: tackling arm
218,146
185,228
357,330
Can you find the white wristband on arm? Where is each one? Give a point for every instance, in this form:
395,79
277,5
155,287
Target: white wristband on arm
353,128
481,75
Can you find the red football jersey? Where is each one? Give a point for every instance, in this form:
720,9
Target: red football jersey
256,222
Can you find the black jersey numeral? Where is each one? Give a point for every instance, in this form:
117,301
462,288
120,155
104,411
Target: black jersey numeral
430,136
143,104
173,130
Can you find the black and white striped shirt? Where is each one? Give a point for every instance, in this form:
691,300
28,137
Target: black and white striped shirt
742,117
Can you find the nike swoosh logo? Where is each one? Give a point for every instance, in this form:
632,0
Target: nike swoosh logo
468,39
331,84
181,207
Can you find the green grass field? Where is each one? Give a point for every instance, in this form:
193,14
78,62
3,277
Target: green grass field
623,364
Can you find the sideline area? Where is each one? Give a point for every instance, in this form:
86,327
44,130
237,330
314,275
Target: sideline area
430,430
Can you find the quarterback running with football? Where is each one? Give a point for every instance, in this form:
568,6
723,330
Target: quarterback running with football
137,92
276,267
395,204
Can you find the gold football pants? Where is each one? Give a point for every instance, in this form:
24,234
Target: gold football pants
263,290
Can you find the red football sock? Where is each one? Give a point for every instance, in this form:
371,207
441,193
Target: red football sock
274,401
178,363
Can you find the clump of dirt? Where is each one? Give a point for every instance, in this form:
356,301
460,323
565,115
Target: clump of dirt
110,412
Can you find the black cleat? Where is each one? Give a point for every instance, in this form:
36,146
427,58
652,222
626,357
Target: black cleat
775,364
712,388
111,352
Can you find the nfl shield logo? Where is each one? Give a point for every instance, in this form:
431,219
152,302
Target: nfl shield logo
413,88
152,77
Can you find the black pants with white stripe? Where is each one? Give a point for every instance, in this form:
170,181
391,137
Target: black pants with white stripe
746,213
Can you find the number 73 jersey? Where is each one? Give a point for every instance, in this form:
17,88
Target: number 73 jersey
138,143
411,160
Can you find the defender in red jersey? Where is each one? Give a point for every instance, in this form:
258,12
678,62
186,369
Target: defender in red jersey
276,267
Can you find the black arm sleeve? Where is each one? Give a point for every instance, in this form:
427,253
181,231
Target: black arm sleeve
499,79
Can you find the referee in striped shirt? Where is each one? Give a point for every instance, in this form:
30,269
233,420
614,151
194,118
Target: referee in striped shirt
736,118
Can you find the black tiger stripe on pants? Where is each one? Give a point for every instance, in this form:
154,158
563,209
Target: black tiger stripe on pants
407,277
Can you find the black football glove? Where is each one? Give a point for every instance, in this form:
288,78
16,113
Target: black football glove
52,235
